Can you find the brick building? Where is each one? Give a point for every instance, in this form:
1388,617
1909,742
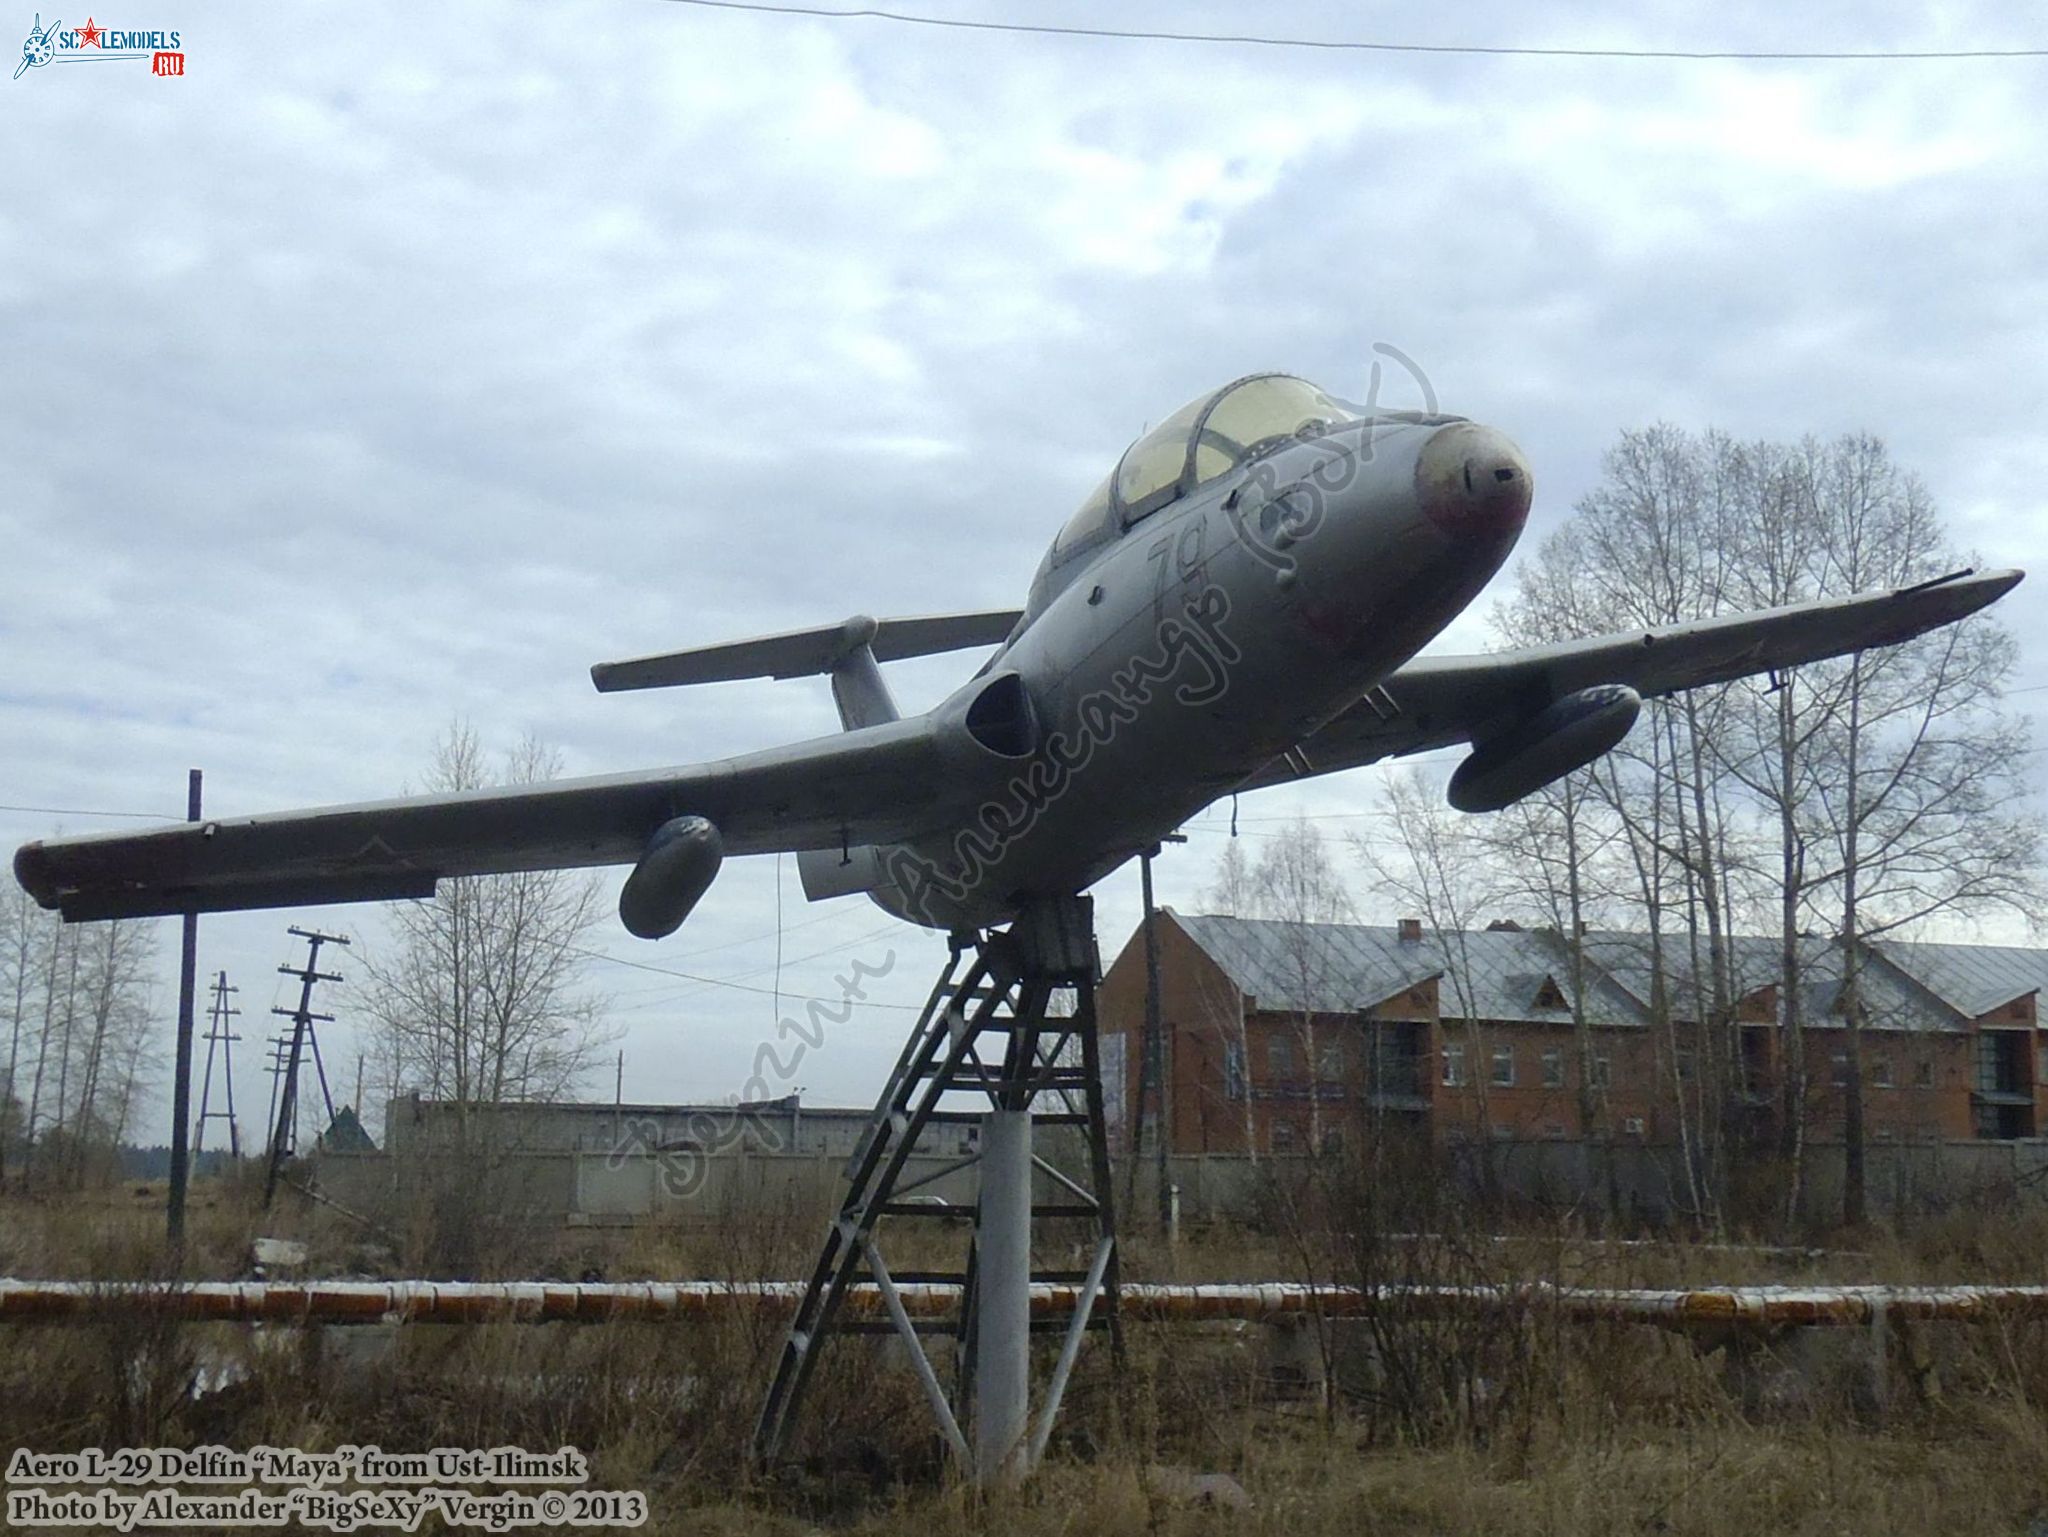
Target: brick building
1280,1036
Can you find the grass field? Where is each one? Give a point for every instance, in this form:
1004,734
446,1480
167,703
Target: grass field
1523,1424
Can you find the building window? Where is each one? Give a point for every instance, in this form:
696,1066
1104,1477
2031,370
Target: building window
1283,1136
1503,1067
1603,1071
1454,1067
1923,1073
1553,1067
1279,1058
1333,1142
2003,1060
1233,1069
1330,1062
1684,1065
1881,1072
2043,1072
1841,1070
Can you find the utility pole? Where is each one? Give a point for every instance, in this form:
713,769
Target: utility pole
219,1037
279,1045
1152,1084
181,1067
285,1060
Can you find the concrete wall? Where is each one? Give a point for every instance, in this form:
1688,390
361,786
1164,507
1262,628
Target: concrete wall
575,1186
1902,1179
578,1188
592,1188
420,1127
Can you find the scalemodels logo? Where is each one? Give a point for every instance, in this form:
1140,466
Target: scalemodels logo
55,44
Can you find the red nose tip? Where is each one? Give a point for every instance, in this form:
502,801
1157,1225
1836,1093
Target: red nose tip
1473,483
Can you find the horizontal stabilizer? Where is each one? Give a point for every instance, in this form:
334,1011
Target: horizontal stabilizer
799,653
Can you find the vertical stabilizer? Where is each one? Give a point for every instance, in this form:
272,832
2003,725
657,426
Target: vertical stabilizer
858,689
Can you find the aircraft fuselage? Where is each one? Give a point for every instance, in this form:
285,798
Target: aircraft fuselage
1169,664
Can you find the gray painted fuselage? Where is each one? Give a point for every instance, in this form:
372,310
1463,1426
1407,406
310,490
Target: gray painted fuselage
1169,662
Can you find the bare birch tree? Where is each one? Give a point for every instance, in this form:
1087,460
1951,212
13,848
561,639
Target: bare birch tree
1435,864
1922,770
1892,771
115,1024
1234,891
1299,887
1552,850
19,922
79,1034
477,996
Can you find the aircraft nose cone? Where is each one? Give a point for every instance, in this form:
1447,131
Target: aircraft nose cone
1473,483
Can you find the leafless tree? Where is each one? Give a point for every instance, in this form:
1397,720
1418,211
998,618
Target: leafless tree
20,921
78,1028
113,1007
1299,887
1234,889
1433,862
1921,767
1235,892
476,996
1858,796
1295,885
1552,851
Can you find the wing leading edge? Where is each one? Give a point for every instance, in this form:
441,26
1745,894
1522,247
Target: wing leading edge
1443,701
871,785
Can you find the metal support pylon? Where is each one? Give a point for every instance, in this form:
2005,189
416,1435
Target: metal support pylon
288,1051
219,1036
998,987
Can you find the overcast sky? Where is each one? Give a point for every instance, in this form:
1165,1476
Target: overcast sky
399,362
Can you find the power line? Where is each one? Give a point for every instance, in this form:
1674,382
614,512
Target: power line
755,939
1353,45
799,960
670,996
81,811
688,976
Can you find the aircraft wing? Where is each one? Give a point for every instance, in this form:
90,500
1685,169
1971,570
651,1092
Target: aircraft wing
1441,701
864,786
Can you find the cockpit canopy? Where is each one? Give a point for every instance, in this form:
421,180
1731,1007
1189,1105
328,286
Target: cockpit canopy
1202,441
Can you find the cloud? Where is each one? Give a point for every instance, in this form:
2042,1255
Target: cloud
394,365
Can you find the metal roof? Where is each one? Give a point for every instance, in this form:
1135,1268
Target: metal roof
1892,1000
1341,968
1972,979
1499,973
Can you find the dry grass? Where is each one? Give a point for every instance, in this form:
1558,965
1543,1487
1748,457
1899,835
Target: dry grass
1510,1426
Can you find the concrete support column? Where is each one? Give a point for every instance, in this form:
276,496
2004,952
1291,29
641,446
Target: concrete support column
1002,1276
1295,1351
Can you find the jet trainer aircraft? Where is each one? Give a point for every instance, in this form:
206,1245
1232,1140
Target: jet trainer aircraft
1240,603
